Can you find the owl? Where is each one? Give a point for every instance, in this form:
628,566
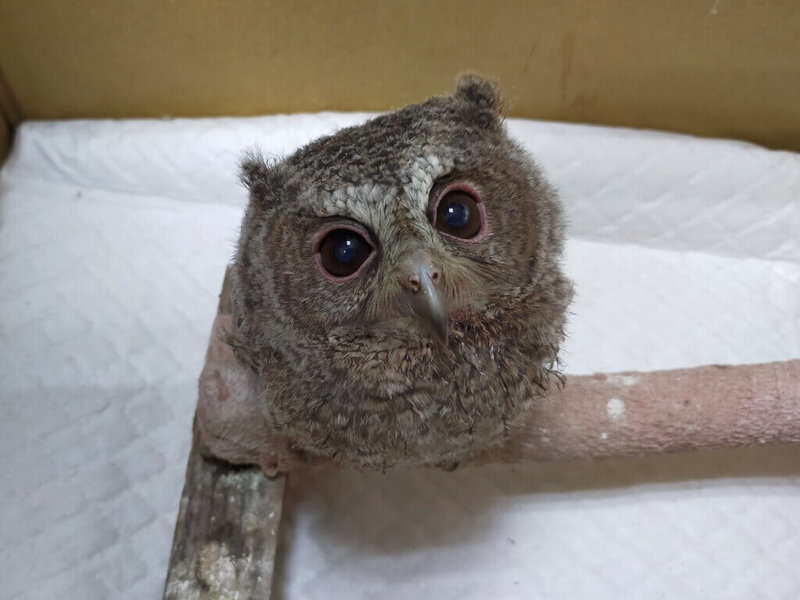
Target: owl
398,288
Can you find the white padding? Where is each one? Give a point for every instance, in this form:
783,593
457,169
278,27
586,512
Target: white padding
114,237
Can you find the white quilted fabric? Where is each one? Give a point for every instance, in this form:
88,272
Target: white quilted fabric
113,241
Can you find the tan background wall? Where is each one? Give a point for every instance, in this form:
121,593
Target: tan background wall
715,67
4,139
8,114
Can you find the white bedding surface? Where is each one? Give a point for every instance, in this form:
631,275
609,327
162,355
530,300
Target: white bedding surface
113,241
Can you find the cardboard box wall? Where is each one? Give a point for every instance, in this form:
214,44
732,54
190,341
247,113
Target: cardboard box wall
728,68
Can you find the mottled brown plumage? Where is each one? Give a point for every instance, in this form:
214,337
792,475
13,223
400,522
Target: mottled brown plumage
438,344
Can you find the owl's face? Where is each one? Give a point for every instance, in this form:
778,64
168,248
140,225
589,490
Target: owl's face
386,277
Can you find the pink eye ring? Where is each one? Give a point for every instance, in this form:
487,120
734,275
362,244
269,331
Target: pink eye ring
459,212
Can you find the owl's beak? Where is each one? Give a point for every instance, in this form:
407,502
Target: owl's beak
421,277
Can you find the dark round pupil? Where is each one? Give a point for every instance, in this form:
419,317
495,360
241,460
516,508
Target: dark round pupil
457,214
345,249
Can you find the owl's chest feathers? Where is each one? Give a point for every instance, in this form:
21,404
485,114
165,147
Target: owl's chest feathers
404,402
392,368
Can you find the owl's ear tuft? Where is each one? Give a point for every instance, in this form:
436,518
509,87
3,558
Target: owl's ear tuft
479,91
261,179
253,168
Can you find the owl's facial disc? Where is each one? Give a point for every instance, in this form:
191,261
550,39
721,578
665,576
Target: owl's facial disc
421,278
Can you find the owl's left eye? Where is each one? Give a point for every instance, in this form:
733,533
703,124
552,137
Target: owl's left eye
459,212
341,252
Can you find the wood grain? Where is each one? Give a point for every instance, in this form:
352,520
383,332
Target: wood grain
226,534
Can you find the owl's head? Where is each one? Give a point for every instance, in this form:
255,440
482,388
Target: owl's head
398,283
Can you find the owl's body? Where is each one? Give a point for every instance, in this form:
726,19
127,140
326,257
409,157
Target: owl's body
397,287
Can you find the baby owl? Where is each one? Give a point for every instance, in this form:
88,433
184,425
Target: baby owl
397,287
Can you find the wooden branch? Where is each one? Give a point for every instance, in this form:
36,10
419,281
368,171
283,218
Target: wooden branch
632,413
226,533
227,529
597,415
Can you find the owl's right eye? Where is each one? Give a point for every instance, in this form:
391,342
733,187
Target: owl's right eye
341,252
